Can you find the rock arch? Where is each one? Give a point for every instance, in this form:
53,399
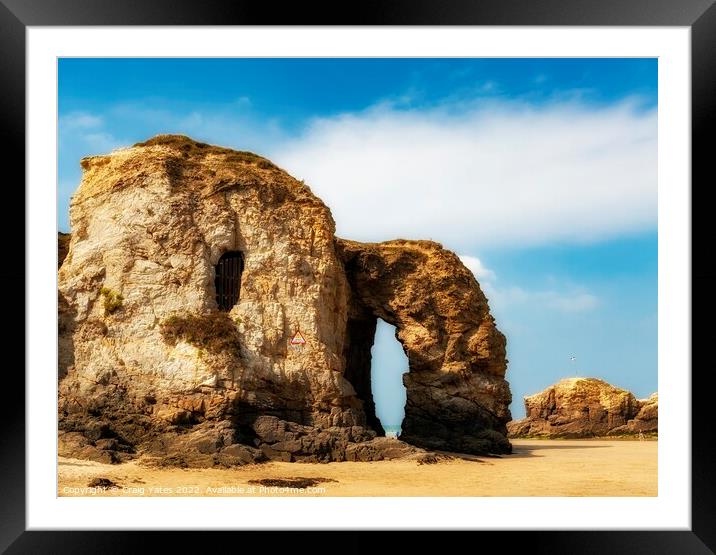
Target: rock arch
458,398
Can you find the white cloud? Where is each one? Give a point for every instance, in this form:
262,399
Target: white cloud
567,299
476,266
574,301
80,120
84,134
101,142
483,173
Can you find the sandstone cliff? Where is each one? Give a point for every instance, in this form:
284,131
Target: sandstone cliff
585,407
63,246
150,363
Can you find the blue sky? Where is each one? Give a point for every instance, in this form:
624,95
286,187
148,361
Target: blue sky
539,173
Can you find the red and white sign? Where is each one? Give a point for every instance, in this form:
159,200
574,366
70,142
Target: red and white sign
298,339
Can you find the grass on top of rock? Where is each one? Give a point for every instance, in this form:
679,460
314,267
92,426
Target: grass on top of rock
215,331
189,146
112,300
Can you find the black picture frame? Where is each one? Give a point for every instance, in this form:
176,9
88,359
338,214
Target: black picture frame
698,15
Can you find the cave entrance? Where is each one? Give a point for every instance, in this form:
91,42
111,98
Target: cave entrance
375,363
228,279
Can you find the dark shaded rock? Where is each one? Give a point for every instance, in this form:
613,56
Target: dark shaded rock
207,439
75,445
275,455
270,429
107,444
206,445
298,482
380,449
287,441
243,454
433,458
95,430
102,483
63,247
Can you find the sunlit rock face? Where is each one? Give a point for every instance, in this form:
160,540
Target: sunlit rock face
586,407
154,359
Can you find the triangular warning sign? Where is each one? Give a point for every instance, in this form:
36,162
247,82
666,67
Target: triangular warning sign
298,339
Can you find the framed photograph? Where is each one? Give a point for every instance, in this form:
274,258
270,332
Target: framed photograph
433,271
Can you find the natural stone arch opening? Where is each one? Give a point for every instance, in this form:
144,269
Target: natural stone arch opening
388,364
227,280
362,330
367,366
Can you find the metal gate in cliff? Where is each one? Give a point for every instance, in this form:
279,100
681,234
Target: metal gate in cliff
228,279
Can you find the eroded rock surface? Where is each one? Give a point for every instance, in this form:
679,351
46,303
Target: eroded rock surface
63,246
585,407
149,359
646,420
457,396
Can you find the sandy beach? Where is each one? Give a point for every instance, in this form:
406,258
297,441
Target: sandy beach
537,468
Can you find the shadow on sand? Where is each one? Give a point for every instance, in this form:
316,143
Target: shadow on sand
67,463
520,451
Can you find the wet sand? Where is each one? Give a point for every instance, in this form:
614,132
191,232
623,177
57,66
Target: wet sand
581,468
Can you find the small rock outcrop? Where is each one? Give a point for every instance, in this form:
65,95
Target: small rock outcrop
585,407
205,305
646,420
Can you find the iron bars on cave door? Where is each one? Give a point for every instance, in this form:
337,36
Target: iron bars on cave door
228,279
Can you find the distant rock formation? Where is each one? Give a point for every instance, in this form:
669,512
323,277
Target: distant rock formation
646,420
586,407
204,293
